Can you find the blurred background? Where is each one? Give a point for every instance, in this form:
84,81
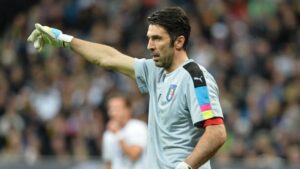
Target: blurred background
52,104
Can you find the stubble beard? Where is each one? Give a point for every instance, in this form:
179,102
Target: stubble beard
165,63
167,60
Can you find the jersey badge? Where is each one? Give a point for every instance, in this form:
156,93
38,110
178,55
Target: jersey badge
171,92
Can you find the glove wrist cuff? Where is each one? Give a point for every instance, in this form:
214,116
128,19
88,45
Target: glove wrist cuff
183,165
66,39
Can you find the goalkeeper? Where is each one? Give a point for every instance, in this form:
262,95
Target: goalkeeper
185,124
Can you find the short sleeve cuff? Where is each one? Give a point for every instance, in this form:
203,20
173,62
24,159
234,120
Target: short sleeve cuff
139,74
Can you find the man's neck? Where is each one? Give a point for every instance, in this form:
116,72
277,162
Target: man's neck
179,58
125,121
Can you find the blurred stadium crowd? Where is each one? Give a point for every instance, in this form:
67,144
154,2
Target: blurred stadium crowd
53,103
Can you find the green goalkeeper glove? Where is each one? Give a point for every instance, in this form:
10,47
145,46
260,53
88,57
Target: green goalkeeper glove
45,35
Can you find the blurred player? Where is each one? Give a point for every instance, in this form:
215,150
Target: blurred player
185,124
124,141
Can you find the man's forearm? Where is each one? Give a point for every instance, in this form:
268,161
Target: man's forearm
107,165
132,151
212,139
104,56
93,52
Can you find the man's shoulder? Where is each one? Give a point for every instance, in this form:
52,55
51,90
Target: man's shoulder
108,136
135,125
198,73
193,67
149,66
149,62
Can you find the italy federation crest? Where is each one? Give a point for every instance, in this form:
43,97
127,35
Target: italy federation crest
171,92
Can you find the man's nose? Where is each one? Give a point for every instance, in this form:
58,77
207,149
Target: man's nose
150,45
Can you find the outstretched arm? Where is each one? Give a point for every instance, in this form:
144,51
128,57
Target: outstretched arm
99,54
104,56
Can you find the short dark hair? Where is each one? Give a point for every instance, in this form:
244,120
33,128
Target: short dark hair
122,96
174,20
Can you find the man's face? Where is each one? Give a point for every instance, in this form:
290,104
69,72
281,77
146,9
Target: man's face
117,109
160,47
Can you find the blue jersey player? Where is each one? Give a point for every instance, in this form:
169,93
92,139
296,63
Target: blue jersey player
185,124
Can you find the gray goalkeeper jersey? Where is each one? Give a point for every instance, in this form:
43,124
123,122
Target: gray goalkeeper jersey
178,102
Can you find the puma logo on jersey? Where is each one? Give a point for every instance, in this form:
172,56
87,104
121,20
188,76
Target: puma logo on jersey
198,78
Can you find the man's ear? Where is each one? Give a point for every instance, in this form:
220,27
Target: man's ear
178,44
